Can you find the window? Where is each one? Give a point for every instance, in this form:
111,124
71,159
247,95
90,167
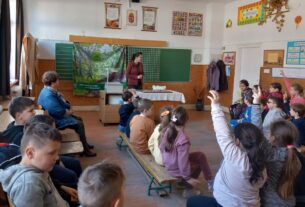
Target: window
13,39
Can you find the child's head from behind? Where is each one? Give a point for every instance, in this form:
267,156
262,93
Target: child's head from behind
40,146
283,135
297,110
249,138
274,102
21,109
146,107
248,100
178,119
243,85
40,118
101,185
127,96
50,78
165,116
275,87
296,90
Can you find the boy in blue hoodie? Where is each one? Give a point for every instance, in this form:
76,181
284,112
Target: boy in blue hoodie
246,115
28,183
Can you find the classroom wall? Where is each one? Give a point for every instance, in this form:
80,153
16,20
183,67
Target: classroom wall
265,37
54,20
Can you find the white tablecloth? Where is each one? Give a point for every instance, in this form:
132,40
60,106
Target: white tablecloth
162,96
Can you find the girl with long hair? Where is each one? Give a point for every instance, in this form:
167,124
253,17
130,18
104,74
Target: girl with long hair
178,161
243,171
283,164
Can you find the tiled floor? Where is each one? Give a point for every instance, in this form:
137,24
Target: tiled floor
199,129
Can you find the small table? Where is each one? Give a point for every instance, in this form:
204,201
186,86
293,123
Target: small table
162,98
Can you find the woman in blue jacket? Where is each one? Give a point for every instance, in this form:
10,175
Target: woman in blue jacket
60,109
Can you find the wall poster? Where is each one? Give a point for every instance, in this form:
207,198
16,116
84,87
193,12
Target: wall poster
295,53
113,16
149,18
251,13
195,22
179,23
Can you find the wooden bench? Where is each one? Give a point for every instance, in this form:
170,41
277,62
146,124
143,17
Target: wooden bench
70,143
158,174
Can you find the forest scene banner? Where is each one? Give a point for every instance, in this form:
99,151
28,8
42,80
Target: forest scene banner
94,64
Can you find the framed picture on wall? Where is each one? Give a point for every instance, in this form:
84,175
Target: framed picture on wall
113,16
274,57
149,18
132,17
229,58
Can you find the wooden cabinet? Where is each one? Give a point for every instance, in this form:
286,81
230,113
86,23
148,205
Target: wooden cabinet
109,112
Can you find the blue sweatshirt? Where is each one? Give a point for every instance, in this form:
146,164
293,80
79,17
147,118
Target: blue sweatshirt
300,124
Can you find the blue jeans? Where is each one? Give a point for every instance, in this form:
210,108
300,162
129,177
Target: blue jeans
69,174
200,201
122,129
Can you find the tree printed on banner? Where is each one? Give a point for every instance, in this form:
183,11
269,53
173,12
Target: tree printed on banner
94,64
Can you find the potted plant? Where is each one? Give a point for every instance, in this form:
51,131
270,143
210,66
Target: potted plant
199,91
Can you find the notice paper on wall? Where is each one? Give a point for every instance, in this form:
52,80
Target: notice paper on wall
298,73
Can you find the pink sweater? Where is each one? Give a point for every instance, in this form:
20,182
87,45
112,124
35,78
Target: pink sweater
177,161
294,99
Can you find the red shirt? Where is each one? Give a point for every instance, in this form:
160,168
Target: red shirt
132,72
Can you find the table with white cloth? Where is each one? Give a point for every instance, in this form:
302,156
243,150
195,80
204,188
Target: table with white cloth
162,98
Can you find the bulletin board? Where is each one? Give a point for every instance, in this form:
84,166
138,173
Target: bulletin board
295,53
298,73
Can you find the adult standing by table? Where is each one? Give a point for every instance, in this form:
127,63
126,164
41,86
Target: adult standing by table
135,72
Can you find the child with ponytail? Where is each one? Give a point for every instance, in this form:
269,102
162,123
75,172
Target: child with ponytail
242,172
154,140
283,165
178,161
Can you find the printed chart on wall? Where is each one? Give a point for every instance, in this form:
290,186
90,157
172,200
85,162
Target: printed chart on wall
295,53
195,24
251,13
179,24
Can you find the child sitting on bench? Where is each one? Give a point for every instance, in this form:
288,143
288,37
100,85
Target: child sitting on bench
178,161
141,127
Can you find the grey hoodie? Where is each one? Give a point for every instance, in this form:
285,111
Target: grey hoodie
30,187
273,115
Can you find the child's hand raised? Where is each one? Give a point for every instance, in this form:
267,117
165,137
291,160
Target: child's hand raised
257,95
214,97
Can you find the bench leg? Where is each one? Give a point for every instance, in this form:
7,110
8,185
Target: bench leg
120,144
159,187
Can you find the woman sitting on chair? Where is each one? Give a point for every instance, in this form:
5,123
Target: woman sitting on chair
60,109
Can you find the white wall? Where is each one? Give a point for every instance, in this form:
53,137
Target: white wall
57,19
265,37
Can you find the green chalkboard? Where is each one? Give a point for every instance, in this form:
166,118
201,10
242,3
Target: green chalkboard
150,60
175,65
64,60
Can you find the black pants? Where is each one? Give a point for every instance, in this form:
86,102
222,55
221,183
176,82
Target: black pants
80,130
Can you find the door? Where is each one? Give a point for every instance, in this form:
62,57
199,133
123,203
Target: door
250,64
